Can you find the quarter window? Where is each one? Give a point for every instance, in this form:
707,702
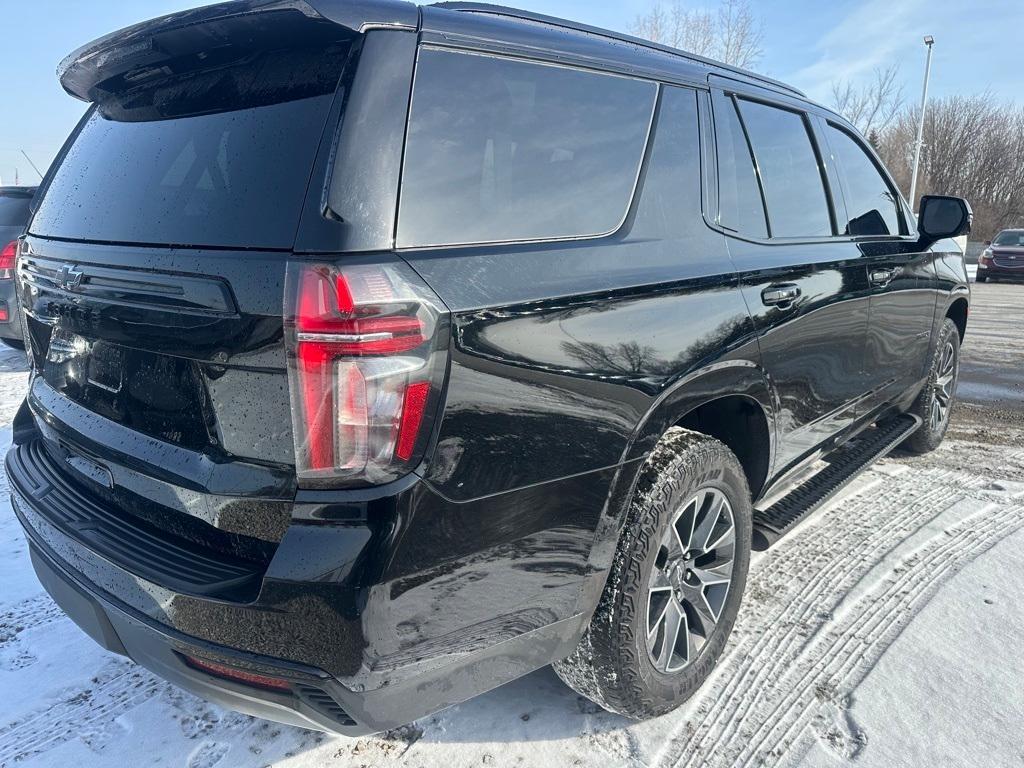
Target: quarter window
793,188
501,149
670,203
872,206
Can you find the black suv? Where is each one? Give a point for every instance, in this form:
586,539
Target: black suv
383,354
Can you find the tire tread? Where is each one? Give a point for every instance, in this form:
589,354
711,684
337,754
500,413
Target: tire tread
606,665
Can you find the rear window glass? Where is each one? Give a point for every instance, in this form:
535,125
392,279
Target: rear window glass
221,160
14,210
501,149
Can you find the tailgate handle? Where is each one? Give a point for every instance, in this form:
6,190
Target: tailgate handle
775,295
882,277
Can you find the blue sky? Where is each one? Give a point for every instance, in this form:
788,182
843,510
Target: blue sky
808,43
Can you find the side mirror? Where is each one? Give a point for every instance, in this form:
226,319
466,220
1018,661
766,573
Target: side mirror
988,242
941,216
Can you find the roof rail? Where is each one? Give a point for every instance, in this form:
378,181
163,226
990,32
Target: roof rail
516,13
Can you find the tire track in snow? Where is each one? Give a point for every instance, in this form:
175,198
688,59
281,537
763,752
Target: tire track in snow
790,590
849,652
87,713
30,613
733,709
830,588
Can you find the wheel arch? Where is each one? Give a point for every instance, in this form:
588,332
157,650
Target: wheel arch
731,402
957,312
740,423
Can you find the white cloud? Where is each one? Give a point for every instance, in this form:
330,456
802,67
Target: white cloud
867,37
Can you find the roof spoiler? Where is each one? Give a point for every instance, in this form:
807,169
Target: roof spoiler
130,55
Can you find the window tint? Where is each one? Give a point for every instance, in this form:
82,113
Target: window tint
221,158
14,210
871,204
670,203
739,199
500,149
793,189
235,178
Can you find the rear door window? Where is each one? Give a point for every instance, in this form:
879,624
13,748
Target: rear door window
872,206
790,175
502,149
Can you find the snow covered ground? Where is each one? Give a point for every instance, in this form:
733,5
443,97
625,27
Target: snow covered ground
888,630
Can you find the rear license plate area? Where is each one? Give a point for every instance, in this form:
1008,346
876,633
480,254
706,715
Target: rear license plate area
106,366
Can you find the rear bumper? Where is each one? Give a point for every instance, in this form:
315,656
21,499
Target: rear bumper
311,702
368,631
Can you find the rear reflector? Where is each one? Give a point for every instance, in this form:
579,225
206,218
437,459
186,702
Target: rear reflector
238,675
5,315
366,366
412,416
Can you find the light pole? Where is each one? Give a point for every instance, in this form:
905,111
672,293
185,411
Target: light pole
929,41
32,164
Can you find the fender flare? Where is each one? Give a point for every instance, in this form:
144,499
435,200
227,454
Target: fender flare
744,378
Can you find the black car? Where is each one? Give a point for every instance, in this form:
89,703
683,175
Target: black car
15,210
1003,257
383,354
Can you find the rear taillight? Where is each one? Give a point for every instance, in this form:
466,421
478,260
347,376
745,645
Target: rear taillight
7,258
366,365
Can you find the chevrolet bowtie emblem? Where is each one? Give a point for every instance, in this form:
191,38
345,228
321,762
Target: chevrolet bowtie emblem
69,278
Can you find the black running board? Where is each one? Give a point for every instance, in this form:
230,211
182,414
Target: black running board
846,463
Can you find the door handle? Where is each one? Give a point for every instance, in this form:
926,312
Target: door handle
882,277
774,295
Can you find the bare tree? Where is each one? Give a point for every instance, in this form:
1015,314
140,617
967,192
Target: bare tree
740,34
872,106
674,25
973,147
731,34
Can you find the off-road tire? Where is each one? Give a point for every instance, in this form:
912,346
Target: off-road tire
929,435
611,665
